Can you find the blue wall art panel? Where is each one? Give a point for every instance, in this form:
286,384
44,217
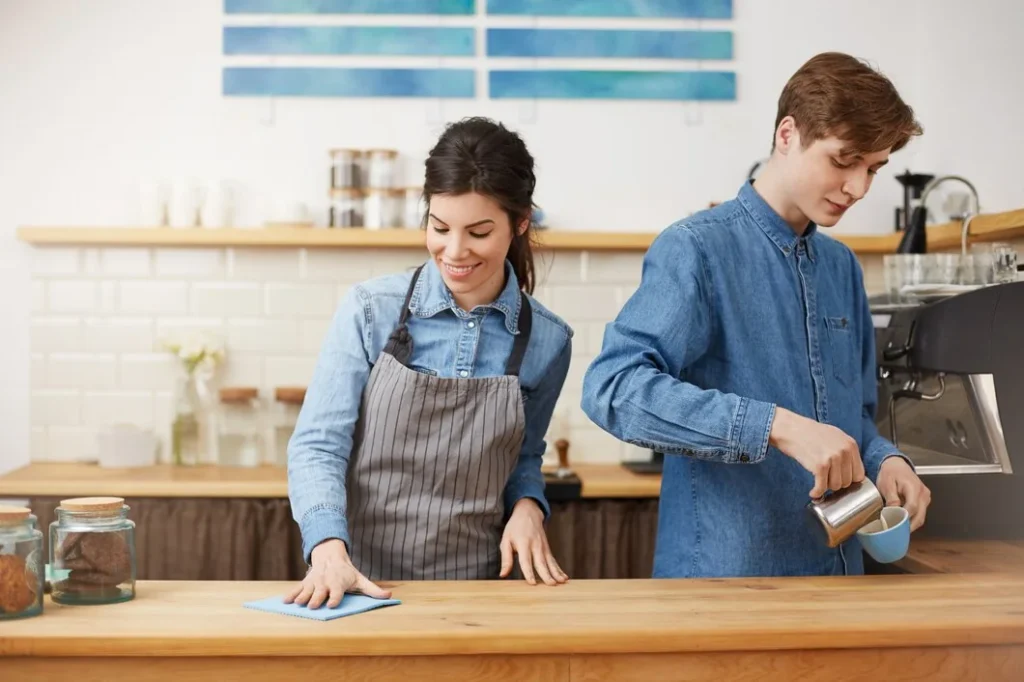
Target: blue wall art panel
350,6
684,9
530,42
328,82
639,85
350,40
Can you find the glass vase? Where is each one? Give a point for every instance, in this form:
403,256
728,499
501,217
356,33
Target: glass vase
189,423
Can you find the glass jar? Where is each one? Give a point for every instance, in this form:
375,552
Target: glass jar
289,403
347,168
375,209
239,443
346,208
92,552
21,564
381,164
414,208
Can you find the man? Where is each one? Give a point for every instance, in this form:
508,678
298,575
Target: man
747,353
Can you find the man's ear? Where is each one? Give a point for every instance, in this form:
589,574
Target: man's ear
786,135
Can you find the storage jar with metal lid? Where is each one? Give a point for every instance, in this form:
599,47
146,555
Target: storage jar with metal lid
348,168
21,564
92,552
239,419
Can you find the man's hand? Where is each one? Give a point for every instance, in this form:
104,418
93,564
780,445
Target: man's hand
824,450
901,487
330,577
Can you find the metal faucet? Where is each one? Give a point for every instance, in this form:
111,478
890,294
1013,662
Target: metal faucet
967,218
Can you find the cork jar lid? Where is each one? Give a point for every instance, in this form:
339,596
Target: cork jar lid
93,504
292,395
238,394
10,515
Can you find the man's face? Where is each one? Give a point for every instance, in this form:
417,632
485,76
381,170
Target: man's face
824,180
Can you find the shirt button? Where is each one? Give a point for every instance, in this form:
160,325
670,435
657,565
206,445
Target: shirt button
471,324
744,458
463,373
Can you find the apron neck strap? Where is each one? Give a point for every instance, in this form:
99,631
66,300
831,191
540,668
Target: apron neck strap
399,344
515,359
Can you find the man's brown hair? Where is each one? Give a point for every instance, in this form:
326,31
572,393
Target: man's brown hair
836,94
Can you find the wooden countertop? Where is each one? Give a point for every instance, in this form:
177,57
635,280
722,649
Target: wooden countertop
46,479
941,555
206,619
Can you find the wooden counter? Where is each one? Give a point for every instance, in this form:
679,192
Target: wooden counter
934,627
941,555
57,479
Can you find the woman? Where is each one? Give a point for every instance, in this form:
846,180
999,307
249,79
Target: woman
417,452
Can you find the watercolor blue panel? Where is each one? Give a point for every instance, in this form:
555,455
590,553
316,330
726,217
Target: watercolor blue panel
584,43
682,9
350,6
644,85
350,40
330,82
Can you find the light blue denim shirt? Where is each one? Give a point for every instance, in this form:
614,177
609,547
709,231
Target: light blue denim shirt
447,342
735,315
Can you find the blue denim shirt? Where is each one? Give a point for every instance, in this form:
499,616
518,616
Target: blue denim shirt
447,342
735,315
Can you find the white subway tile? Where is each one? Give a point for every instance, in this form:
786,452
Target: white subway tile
174,328
49,334
226,298
126,262
264,264
71,444
622,294
312,334
163,415
613,268
338,265
558,267
118,334
38,296
153,296
72,295
584,303
591,444
55,261
49,407
390,261
262,335
595,336
105,408
288,371
242,369
190,262
152,371
81,370
37,371
39,444
577,368
92,262
285,299
107,297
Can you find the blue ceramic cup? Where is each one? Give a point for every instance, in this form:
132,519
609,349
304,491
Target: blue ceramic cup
889,541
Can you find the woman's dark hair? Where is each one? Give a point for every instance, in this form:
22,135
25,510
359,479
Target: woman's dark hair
482,156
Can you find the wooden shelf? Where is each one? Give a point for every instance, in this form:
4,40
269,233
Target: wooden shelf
945,236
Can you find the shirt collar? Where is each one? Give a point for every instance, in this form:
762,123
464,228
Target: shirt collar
431,296
777,229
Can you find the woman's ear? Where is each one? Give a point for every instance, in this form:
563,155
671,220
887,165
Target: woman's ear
523,226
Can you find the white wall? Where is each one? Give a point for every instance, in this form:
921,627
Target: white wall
98,94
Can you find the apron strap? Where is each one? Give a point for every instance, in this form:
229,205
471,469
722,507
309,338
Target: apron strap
399,344
515,359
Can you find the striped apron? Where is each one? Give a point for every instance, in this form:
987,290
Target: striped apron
430,462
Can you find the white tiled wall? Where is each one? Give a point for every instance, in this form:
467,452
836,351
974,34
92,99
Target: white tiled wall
99,316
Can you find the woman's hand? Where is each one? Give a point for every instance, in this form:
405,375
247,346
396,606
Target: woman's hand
524,535
330,577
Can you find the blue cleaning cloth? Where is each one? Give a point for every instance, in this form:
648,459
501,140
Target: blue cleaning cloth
351,604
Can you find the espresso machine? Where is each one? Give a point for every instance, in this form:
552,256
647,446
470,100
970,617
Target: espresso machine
951,397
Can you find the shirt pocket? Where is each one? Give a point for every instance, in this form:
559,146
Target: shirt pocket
845,364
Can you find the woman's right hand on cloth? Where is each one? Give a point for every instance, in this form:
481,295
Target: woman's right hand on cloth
330,577
831,456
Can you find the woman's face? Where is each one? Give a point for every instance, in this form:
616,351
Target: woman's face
468,236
